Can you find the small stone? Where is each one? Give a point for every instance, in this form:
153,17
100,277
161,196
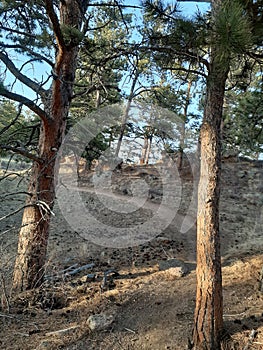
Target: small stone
176,272
99,322
176,268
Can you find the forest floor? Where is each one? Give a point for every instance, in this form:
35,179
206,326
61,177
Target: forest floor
143,305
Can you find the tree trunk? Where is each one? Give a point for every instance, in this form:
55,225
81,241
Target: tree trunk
209,310
182,133
144,150
126,115
148,150
33,237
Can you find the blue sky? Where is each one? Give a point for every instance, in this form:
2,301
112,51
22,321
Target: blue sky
39,72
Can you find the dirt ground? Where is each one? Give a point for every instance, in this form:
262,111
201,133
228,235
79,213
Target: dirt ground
149,308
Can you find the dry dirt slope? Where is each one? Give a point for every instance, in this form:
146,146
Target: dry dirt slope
151,308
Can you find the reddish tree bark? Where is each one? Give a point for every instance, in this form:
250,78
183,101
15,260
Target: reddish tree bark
33,237
208,322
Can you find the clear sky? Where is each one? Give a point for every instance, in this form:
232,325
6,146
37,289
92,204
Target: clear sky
39,72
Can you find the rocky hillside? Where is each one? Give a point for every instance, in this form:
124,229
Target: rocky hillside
149,187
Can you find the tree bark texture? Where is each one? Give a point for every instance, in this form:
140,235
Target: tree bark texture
33,237
209,310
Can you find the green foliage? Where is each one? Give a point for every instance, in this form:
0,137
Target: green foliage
155,9
243,121
98,75
31,28
232,30
95,148
71,35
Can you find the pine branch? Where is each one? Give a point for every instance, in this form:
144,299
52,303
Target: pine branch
31,52
187,54
20,76
17,31
25,101
93,88
158,10
181,69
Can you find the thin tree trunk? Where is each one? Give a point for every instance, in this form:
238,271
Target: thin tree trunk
144,150
209,306
208,319
182,134
33,237
126,114
148,150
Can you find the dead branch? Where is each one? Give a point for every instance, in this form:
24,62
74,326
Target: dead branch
70,271
26,101
16,211
22,151
31,52
7,316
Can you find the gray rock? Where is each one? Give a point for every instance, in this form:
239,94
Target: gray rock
99,322
176,268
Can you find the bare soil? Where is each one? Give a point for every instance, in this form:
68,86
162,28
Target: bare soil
152,309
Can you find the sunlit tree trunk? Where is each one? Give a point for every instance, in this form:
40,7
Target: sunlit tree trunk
33,237
208,323
144,149
209,308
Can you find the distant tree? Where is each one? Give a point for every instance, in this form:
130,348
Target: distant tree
243,120
98,77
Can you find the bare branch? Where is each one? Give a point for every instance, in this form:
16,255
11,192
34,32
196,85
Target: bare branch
22,151
17,31
94,88
181,69
25,101
187,54
31,52
16,211
115,5
12,175
15,194
20,76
